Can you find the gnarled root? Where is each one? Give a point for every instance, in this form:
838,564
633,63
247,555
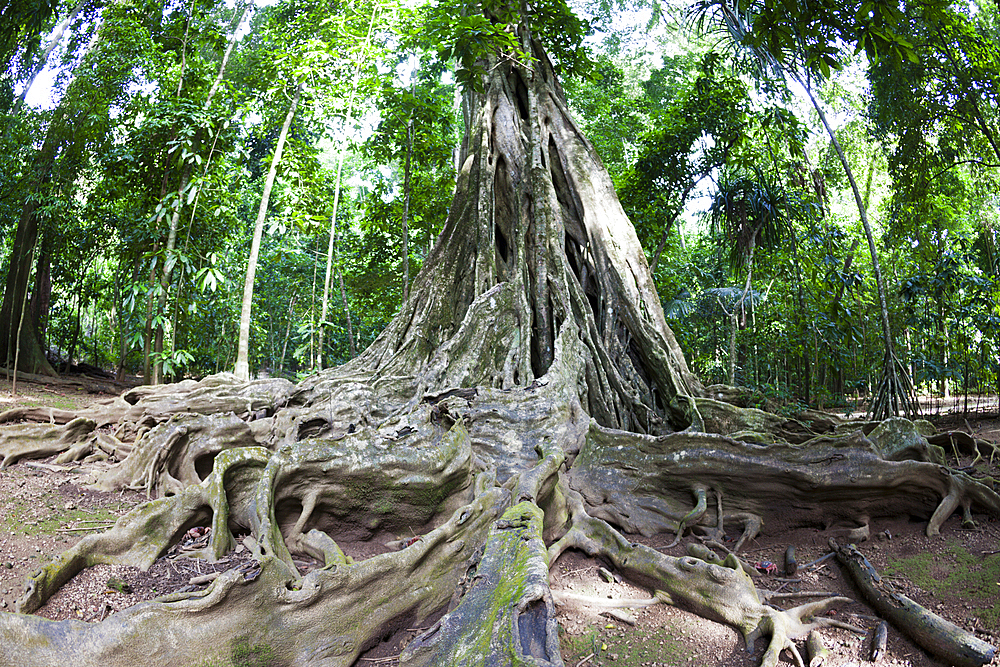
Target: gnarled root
329,617
36,441
722,592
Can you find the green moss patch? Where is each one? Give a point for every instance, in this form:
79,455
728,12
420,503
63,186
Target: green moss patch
28,518
954,574
632,647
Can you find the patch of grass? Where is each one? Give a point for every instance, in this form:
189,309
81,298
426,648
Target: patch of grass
633,647
955,573
21,516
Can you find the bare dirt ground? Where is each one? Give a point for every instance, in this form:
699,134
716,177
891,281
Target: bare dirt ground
45,508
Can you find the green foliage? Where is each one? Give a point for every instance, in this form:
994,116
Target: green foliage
809,36
472,39
476,36
703,128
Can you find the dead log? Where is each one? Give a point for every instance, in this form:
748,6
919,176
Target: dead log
942,638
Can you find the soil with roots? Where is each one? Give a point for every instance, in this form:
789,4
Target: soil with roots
47,508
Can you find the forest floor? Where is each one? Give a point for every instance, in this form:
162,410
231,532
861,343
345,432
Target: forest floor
46,508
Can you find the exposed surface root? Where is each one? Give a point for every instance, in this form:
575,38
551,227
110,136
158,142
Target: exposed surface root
723,592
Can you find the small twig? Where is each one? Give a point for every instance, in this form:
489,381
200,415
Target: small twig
203,579
818,560
585,660
73,530
801,594
778,589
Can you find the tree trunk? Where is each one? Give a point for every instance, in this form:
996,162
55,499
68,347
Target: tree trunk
330,251
895,393
243,349
406,210
42,293
166,274
288,333
31,358
20,329
351,347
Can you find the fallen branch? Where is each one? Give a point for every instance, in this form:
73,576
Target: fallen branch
931,632
593,601
79,528
801,594
203,579
816,562
48,467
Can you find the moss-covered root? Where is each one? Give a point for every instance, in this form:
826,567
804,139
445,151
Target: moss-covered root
724,593
944,639
324,619
142,535
506,616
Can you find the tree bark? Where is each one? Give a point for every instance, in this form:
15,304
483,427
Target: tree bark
243,349
406,209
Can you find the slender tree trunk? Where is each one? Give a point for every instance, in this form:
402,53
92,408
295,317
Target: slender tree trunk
324,304
147,338
167,273
898,398
288,333
42,293
243,348
122,333
68,363
406,211
347,312
313,361
54,41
